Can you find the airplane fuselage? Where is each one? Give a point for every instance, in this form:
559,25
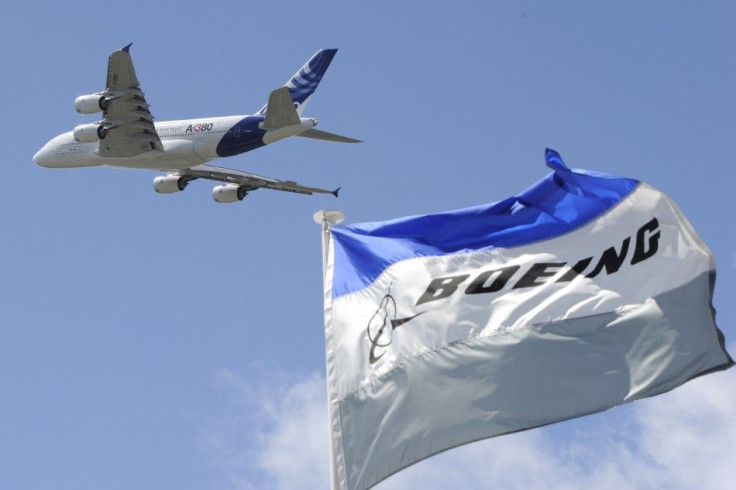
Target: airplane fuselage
186,143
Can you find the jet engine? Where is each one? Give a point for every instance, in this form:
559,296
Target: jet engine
89,104
168,184
229,193
89,133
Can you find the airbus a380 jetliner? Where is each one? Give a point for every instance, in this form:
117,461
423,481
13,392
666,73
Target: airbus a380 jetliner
127,136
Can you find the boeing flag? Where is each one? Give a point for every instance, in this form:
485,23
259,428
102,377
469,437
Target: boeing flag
581,293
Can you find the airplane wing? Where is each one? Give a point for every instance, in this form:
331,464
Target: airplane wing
249,182
127,118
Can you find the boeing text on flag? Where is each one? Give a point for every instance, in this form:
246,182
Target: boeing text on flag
581,293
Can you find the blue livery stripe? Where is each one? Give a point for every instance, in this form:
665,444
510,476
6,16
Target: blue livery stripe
561,202
245,135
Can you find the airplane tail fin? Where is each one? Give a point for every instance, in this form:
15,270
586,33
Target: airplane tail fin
304,82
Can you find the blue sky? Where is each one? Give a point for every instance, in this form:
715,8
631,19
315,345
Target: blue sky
151,341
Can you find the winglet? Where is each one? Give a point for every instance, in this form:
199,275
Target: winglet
336,191
127,48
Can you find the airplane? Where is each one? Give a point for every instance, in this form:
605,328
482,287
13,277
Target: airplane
127,137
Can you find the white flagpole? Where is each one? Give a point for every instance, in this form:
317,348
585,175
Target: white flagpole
327,218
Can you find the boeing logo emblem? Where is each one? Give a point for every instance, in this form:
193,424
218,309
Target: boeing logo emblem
382,325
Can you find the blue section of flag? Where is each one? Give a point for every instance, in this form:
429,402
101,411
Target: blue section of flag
560,203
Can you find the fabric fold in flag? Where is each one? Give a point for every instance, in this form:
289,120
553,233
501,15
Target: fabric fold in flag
581,293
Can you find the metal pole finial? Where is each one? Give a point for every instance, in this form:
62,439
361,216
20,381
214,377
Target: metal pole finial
329,217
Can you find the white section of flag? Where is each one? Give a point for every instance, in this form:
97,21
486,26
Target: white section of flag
467,361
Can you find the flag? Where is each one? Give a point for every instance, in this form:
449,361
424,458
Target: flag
581,293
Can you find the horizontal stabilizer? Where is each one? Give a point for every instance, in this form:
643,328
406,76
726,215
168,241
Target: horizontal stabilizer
280,110
324,135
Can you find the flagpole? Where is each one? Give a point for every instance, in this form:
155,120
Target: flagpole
326,218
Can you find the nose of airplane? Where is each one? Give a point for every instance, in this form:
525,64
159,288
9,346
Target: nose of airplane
42,158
